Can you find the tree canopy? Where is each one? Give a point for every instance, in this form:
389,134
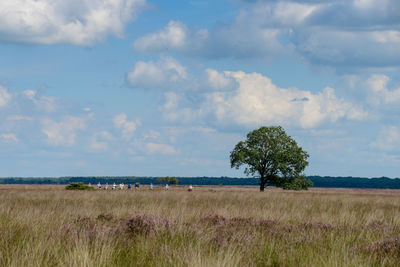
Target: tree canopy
273,156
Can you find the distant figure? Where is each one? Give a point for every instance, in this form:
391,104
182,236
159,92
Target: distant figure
129,186
99,185
121,186
114,186
166,186
190,188
151,187
89,184
136,185
106,186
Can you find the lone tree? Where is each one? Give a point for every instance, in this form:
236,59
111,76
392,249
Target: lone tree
274,156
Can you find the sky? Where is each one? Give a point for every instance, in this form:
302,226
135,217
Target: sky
157,88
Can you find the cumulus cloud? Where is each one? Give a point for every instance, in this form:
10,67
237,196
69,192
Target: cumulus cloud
256,100
378,91
239,39
388,139
219,81
126,127
82,22
172,36
9,138
151,74
63,132
5,96
154,148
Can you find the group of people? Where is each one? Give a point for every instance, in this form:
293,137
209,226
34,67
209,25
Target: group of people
121,186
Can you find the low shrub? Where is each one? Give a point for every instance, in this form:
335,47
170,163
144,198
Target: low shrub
298,183
78,186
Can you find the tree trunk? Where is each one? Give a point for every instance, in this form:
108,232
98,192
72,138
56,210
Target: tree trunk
262,183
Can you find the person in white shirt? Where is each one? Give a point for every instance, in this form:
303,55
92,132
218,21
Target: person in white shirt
190,188
99,185
166,187
151,186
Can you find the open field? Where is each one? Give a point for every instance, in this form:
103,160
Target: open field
212,226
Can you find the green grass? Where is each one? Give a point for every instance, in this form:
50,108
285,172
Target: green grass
212,226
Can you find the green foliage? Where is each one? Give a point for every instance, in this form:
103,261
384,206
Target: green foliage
168,180
270,154
299,183
78,186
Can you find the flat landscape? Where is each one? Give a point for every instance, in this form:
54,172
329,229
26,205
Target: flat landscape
211,226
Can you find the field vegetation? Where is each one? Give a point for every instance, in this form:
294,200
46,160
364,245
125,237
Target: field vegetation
212,226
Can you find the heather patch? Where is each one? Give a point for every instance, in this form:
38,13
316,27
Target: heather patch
387,246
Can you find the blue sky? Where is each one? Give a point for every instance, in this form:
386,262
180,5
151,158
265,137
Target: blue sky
155,88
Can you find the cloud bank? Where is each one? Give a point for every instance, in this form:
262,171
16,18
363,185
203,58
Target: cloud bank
342,34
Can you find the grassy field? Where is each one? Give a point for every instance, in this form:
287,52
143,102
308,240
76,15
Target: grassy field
212,226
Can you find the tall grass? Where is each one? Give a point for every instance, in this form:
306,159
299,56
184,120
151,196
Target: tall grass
212,226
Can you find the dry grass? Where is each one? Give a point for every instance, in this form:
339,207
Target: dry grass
212,226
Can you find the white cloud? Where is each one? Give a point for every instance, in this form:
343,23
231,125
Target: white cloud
378,91
172,36
255,100
218,80
151,74
63,133
5,96
79,22
46,103
153,148
126,127
239,39
100,140
9,138
388,139
258,101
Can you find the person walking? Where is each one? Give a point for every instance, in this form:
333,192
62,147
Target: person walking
129,186
190,188
166,187
98,185
114,186
151,186
106,186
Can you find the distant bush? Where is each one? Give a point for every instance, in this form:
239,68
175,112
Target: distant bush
299,183
78,186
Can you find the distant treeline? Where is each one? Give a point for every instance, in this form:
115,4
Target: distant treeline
318,181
